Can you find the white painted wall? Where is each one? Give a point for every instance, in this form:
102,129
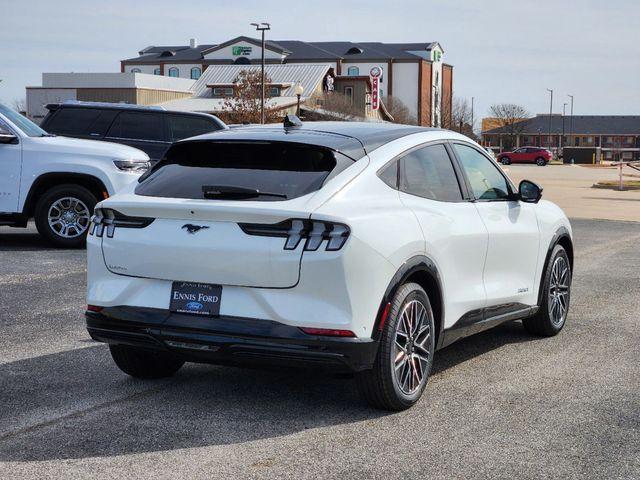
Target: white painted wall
226,53
405,85
184,68
37,98
143,68
115,80
436,79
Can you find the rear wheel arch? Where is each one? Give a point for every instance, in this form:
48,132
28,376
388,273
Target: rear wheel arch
422,270
50,180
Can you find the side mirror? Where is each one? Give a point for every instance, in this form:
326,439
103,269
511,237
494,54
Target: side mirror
529,192
8,138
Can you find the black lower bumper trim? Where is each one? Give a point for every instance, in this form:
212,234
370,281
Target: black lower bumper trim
229,340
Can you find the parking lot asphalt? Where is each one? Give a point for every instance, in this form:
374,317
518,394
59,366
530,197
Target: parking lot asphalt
501,404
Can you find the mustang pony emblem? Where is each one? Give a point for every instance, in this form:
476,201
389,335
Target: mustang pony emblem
192,229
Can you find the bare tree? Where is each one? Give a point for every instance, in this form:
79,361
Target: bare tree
460,118
19,105
510,117
245,105
399,111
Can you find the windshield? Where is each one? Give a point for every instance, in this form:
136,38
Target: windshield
25,125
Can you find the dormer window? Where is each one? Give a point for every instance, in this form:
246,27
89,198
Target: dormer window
167,53
274,91
174,72
354,51
353,71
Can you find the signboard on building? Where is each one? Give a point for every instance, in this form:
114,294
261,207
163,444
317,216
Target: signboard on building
375,74
240,50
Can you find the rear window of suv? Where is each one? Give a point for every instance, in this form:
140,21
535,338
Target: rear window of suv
262,171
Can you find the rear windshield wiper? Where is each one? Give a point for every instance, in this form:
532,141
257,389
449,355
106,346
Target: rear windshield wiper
226,191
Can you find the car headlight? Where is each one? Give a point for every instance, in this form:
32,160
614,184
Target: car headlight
133,166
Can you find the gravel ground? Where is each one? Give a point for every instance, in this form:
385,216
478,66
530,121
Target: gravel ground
502,404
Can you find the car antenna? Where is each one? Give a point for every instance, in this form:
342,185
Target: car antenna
291,121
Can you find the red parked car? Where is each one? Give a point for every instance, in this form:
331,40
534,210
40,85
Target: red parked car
537,155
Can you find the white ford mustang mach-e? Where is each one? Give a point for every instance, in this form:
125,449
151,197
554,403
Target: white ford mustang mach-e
364,247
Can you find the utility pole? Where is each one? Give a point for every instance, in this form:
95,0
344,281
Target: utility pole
550,90
571,142
261,27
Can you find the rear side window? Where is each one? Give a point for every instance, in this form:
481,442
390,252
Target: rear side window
428,172
263,171
138,126
72,121
183,126
389,174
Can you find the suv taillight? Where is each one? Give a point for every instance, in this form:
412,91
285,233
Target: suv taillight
108,219
313,232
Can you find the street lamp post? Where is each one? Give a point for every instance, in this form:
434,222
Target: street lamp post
571,123
261,27
550,90
564,106
299,90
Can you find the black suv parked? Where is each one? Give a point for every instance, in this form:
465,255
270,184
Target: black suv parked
151,129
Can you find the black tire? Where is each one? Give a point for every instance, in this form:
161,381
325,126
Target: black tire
541,162
145,364
380,386
505,161
543,323
48,199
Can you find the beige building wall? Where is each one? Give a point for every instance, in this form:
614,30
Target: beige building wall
140,96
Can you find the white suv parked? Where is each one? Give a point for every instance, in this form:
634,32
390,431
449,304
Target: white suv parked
358,246
57,180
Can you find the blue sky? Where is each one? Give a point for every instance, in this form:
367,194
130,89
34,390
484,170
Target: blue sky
502,50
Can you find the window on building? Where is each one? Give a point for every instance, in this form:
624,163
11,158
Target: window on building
223,92
348,92
486,180
274,91
195,73
138,126
353,71
629,140
589,140
428,172
174,72
136,70
156,71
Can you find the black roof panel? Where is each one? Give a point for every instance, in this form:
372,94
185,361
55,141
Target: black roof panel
353,139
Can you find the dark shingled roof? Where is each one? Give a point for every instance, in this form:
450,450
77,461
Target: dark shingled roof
582,125
296,50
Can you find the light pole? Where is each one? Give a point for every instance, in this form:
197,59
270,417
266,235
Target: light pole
261,27
550,90
564,106
571,123
299,90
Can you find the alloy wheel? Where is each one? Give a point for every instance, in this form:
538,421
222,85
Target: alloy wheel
68,217
559,289
411,355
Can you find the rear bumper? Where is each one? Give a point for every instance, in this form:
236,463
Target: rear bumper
229,340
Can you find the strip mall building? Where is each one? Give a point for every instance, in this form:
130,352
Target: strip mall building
413,73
